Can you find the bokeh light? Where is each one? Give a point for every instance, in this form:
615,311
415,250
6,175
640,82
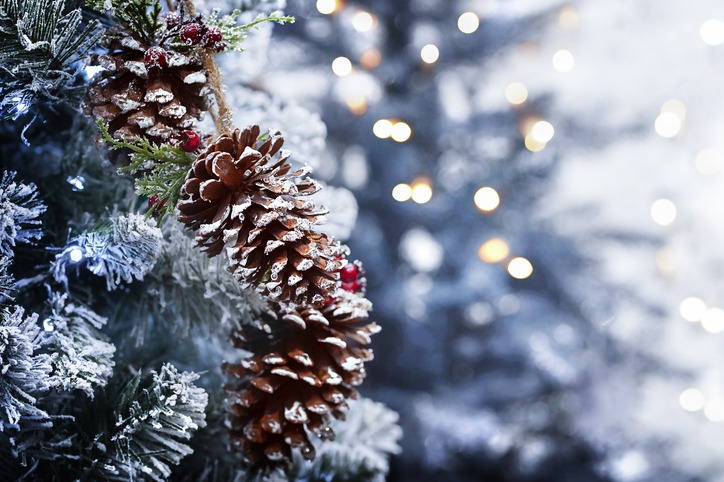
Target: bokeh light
516,93
520,268
363,21
468,22
713,320
494,250
327,7
712,32
708,162
563,61
370,59
421,191
382,128
429,54
486,198
692,400
341,66
692,309
401,131
542,131
568,18
714,410
402,192
663,212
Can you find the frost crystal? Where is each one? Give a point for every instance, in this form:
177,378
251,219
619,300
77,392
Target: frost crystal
153,422
128,249
80,357
19,210
24,370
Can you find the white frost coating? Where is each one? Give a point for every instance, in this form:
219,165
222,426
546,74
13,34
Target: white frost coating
160,96
273,359
301,290
129,42
195,78
272,244
126,104
333,340
294,279
285,372
238,209
267,218
142,121
297,320
175,111
206,229
333,378
304,264
175,59
137,68
296,413
304,359
310,379
352,363
277,268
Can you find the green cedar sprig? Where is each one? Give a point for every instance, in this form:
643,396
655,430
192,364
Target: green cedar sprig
233,34
141,16
162,168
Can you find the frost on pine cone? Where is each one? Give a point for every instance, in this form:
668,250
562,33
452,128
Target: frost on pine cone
145,90
240,194
300,376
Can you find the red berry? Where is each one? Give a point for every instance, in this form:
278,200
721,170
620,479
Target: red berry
189,141
155,57
352,287
192,33
152,200
349,273
212,37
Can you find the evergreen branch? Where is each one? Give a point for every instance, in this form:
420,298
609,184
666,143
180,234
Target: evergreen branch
153,422
141,16
19,212
163,168
40,49
234,35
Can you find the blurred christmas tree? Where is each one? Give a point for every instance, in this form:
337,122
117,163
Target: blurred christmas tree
114,326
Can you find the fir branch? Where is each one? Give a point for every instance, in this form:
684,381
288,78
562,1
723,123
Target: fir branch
141,16
41,48
19,210
153,423
24,370
7,282
80,357
233,34
163,168
125,250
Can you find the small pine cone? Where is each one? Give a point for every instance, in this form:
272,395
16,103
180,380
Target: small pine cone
239,195
299,377
153,99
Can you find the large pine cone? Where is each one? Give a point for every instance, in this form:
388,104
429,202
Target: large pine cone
154,102
239,195
300,376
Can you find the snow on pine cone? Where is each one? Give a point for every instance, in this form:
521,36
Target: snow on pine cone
240,195
144,90
300,376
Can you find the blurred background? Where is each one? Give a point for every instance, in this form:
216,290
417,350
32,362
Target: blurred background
537,188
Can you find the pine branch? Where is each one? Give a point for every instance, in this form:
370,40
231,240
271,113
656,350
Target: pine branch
40,51
125,250
153,423
19,210
7,282
80,357
141,16
233,34
162,168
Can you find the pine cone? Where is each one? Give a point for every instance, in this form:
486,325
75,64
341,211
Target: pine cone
301,375
153,96
238,193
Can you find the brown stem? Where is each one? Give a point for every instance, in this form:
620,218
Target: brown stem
224,120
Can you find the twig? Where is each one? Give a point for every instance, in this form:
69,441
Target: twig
224,119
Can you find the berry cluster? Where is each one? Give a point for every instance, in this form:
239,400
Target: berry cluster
194,32
352,277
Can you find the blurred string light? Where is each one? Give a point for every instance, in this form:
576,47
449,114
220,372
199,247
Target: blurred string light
382,128
714,410
486,199
494,250
421,190
670,119
516,93
520,268
537,134
399,131
402,192
77,183
341,66
563,61
692,309
75,254
363,21
663,212
370,59
356,103
568,18
468,22
713,320
708,162
692,400
429,54
48,325
712,32
327,7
